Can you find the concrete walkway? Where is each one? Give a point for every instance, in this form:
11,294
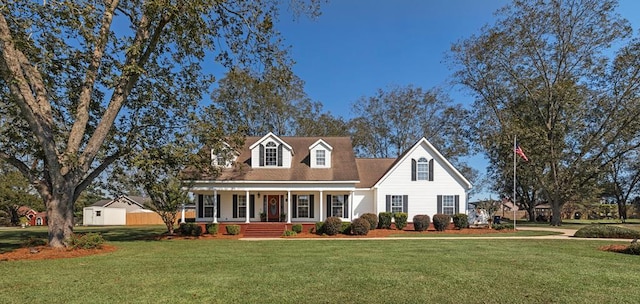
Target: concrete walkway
567,234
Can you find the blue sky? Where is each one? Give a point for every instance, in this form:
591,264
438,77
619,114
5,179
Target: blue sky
358,46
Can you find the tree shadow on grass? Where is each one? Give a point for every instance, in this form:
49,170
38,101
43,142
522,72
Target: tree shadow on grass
11,239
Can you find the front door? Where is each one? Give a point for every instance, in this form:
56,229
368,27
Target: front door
273,208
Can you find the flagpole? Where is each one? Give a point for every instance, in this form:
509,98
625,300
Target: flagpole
514,182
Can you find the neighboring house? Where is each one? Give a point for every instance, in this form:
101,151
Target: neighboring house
307,179
35,218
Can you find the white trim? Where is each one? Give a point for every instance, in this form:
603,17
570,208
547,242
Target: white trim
270,134
320,141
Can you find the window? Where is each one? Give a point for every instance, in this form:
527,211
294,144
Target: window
242,206
396,203
303,206
320,158
208,205
271,154
337,205
98,213
423,169
448,204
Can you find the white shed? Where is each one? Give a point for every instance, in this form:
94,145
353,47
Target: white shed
98,216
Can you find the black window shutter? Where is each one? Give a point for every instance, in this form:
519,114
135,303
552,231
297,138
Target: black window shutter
280,155
218,205
329,206
388,203
261,157
200,205
457,200
235,206
439,203
311,206
346,206
252,205
294,208
405,203
431,170
413,169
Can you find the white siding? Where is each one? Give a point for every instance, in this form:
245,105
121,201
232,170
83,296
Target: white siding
320,145
422,195
363,202
108,216
286,155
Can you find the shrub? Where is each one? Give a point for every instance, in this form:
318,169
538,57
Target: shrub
502,226
332,225
33,242
212,228
460,220
297,228
384,220
372,218
346,228
319,227
86,241
607,231
633,249
360,226
190,229
290,232
441,221
421,222
233,229
400,219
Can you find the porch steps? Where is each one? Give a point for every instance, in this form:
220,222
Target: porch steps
265,230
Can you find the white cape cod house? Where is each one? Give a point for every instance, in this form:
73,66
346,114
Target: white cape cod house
307,179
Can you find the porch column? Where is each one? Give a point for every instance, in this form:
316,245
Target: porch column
215,206
289,207
351,207
321,208
247,205
182,215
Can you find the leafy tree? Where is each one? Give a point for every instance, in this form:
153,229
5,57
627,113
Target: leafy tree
80,80
15,191
623,181
541,72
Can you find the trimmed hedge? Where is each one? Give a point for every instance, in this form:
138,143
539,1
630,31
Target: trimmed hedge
86,241
372,218
400,219
460,221
332,225
441,221
607,231
212,228
290,232
360,226
190,229
502,226
421,222
233,229
384,220
297,228
346,228
319,227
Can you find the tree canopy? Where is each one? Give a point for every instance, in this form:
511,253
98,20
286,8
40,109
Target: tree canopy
81,80
543,73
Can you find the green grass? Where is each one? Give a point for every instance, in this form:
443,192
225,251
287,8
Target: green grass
326,271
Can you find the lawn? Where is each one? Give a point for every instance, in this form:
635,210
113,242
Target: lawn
326,271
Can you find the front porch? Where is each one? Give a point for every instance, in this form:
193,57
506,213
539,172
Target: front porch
290,206
260,229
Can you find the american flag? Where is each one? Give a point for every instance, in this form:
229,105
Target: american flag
520,153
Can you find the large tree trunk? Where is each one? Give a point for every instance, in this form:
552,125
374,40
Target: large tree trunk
60,218
622,210
556,212
531,212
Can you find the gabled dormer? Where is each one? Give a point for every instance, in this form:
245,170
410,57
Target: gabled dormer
271,152
320,154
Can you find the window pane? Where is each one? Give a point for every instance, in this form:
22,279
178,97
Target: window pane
396,203
448,204
422,169
337,205
242,206
270,155
303,206
320,158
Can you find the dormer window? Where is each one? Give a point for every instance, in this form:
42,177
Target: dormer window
271,154
423,169
320,158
